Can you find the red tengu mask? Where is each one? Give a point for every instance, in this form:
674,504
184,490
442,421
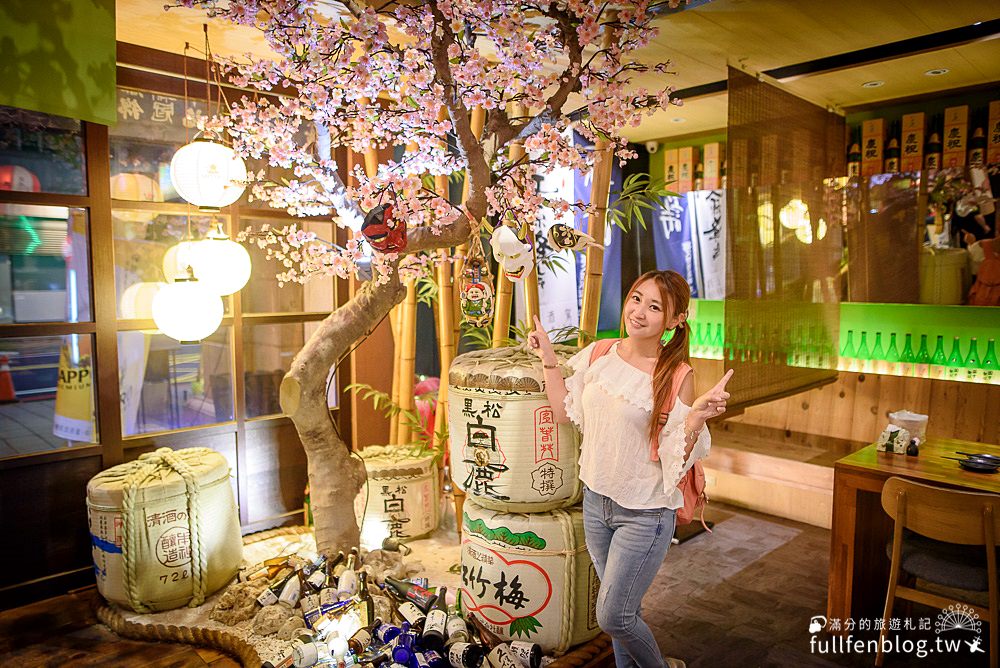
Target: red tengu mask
382,232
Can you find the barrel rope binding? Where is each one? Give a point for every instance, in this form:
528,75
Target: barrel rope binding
145,467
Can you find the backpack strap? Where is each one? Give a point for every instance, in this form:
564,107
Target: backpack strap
680,373
601,348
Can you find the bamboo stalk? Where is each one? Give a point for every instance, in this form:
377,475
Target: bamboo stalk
530,282
407,361
478,121
446,332
396,323
505,289
599,187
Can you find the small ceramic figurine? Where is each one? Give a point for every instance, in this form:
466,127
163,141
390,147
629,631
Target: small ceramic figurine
476,293
383,233
565,237
512,253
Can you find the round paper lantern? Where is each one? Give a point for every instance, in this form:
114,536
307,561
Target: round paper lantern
220,264
137,188
137,301
208,173
185,311
16,177
178,258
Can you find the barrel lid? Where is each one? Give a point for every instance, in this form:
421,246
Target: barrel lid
514,368
157,478
395,454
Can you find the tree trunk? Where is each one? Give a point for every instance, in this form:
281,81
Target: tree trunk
336,478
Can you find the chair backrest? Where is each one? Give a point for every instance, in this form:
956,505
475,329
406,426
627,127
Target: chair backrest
948,515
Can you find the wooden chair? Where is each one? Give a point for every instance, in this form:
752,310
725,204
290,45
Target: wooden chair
942,525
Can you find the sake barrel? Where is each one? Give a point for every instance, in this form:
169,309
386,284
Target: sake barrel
165,530
403,494
507,452
529,576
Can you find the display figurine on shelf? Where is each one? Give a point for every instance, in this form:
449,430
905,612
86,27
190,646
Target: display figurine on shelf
512,253
565,237
382,232
893,440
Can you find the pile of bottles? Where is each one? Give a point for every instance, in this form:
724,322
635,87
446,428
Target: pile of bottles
343,629
802,346
961,363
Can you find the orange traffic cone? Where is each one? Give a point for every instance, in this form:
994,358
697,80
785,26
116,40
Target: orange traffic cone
6,382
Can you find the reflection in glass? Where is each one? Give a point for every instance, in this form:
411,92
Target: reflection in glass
40,153
262,294
150,128
167,385
140,246
44,264
268,354
46,393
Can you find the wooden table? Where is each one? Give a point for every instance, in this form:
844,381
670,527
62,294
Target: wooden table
859,567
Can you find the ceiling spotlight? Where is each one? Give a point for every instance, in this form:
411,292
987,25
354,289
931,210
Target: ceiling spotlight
678,119
937,71
872,84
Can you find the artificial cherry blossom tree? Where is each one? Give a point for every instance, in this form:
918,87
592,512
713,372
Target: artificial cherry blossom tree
408,74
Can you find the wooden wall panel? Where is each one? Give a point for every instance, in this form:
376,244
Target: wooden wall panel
45,528
857,406
276,474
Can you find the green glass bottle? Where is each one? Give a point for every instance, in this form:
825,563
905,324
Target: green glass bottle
878,354
955,361
972,363
892,356
863,354
922,365
847,353
718,342
939,363
907,359
990,367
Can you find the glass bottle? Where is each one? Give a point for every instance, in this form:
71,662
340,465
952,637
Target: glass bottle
437,622
366,604
386,633
892,356
465,655
420,597
407,611
922,365
500,654
990,367
955,361
316,573
847,353
328,592
863,354
363,637
878,354
347,583
404,648
972,363
456,629
270,595
939,363
906,360
718,342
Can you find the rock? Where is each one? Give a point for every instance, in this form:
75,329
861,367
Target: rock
238,603
270,619
290,628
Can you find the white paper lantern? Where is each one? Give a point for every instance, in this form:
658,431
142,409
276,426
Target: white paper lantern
137,301
220,264
185,311
178,258
208,173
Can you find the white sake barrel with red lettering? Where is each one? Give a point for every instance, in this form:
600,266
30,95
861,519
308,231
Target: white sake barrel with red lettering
507,452
403,494
529,576
165,529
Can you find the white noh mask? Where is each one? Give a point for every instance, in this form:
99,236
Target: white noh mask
512,253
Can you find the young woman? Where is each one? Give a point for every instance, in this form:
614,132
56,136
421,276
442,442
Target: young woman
630,466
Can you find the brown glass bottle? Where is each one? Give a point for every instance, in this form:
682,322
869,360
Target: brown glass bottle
500,654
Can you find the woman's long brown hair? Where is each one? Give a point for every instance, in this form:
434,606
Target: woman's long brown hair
675,294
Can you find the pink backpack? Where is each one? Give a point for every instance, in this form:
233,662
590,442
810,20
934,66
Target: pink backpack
692,483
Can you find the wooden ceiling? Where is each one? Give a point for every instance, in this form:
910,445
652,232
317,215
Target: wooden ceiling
703,40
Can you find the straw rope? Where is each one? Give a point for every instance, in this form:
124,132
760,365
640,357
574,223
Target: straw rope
148,464
224,641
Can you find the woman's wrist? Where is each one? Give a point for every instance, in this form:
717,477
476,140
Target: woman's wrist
693,425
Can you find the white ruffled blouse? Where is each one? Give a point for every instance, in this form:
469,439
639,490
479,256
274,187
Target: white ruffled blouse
611,403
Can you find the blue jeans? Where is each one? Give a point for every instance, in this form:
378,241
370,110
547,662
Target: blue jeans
627,547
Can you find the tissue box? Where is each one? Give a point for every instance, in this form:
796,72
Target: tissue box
893,440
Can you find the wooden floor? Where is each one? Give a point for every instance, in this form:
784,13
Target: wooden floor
740,597
64,631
